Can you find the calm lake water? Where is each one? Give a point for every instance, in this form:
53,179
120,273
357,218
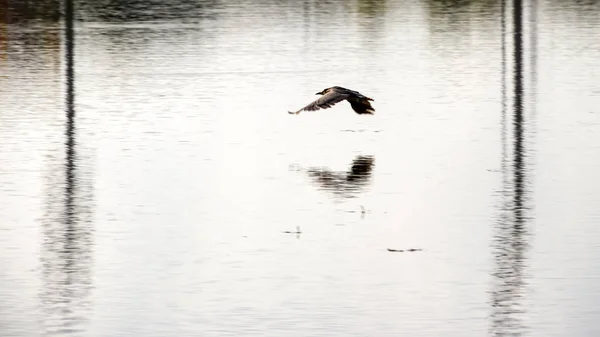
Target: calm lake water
149,169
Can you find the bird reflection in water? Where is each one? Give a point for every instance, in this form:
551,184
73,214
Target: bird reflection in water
344,184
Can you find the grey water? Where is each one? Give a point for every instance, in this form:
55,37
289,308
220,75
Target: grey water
149,169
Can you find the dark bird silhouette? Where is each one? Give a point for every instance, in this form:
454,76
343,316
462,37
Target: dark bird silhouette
359,102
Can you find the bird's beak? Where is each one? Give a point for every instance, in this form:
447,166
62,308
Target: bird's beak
319,93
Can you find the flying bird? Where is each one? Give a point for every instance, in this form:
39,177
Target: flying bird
359,102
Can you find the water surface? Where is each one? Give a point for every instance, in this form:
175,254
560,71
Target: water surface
148,169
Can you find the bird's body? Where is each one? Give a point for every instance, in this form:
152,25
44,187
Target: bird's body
359,102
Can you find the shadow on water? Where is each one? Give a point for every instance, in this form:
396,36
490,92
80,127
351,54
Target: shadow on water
511,236
149,10
371,8
27,11
66,254
30,33
371,22
458,15
343,184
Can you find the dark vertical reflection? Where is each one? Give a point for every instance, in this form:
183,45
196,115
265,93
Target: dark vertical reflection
510,242
519,169
503,78
70,46
67,246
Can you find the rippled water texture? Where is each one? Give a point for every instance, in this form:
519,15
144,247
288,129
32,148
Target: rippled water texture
152,182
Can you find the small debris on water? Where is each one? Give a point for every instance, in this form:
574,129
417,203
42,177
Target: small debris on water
363,210
296,232
404,250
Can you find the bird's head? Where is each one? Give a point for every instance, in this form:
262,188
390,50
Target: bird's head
323,92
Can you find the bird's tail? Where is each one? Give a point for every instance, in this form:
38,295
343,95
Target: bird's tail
369,99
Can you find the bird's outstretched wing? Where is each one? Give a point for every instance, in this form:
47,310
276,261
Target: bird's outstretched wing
324,102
